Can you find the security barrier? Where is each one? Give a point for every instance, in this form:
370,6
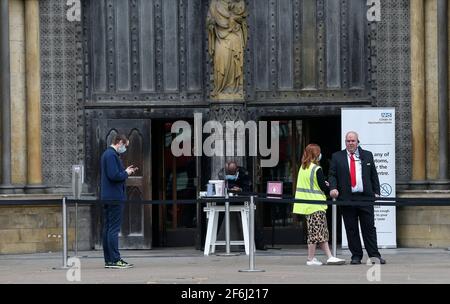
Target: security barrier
252,197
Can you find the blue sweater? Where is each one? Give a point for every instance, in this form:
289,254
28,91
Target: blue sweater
113,176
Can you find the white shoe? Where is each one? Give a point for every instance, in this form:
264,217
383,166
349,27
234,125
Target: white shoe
314,262
335,261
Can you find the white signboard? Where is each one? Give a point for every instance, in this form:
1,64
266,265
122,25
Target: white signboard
376,130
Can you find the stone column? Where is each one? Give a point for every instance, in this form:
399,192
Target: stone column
5,96
33,80
448,40
442,20
18,95
223,112
431,74
418,92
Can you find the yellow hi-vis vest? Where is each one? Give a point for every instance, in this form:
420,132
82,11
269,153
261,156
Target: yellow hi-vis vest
308,189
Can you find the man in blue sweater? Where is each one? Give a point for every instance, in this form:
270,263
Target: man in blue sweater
112,189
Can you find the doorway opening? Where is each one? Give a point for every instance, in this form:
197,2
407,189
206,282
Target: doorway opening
179,178
281,226
174,178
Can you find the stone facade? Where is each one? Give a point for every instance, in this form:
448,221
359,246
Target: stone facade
393,77
58,94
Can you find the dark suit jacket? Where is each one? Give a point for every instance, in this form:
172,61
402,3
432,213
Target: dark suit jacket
339,174
242,182
113,176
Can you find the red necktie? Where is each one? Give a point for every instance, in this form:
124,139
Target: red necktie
352,170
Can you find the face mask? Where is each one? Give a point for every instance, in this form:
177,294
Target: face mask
232,177
320,157
121,149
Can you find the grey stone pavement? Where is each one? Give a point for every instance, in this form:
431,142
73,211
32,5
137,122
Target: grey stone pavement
189,266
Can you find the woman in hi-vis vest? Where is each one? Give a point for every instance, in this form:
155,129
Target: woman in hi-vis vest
311,185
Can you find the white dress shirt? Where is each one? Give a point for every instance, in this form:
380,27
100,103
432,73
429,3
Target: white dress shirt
358,168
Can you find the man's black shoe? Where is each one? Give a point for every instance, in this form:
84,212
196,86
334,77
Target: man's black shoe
382,261
355,262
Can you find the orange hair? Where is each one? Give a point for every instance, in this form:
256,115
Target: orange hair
310,155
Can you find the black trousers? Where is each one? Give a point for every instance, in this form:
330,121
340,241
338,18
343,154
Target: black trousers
112,221
365,214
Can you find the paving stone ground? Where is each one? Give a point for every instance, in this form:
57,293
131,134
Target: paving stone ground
187,265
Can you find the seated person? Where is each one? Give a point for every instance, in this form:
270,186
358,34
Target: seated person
238,180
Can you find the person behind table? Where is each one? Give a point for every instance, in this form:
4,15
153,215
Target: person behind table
238,181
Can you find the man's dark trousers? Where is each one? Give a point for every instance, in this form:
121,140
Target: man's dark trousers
112,220
369,233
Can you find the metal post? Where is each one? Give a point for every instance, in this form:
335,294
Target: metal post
251,235
64,223
227,230
334,227
77,185
227,227
76,229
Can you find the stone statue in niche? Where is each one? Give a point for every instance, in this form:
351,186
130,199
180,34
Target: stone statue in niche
227,37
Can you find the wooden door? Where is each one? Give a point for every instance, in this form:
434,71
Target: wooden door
136,230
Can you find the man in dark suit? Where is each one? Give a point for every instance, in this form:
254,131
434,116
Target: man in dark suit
353,176
112,188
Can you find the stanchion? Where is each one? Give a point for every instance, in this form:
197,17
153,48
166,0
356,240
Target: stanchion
64,223
334,227
76,229
227,231
77,185
251,233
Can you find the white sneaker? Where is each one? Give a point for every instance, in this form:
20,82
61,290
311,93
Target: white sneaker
314,262
335,261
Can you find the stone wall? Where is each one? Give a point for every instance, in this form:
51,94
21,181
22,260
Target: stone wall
30,229
424,226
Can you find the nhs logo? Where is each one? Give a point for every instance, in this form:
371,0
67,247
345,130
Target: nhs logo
386,115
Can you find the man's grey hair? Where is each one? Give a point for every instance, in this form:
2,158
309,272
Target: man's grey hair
352,132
